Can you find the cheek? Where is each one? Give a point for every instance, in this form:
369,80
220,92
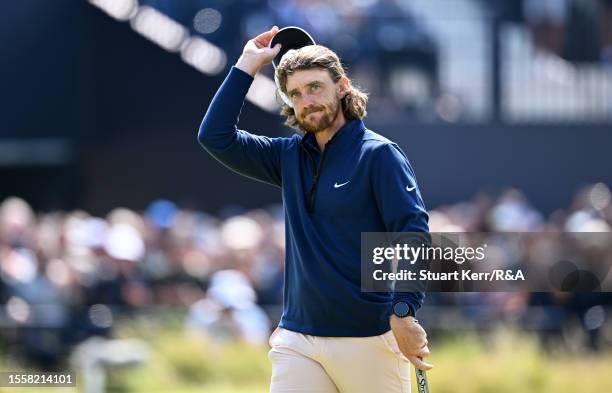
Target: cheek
331,103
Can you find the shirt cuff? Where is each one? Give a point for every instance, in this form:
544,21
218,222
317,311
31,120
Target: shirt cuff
239,75
413,299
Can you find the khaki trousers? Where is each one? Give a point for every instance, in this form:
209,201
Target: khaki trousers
309,364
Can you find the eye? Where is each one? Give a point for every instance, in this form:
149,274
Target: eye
294,94
314,87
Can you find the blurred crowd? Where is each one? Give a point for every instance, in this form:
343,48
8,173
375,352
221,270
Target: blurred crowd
390,43
576,30
68,276
356,28
562,319
374,38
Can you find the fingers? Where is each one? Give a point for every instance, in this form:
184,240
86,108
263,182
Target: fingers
270,53
419,363
423,352
276,48
264,38
418,341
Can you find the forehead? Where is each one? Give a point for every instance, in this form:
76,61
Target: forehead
303,77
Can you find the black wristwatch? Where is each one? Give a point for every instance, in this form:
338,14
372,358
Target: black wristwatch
402,309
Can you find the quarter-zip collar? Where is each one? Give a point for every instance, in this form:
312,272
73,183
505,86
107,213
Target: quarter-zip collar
349,131
342,138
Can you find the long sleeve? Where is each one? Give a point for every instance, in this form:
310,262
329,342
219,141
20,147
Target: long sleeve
400,204
255,156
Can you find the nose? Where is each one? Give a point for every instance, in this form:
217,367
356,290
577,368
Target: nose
307,100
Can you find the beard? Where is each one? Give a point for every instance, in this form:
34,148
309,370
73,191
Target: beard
327,116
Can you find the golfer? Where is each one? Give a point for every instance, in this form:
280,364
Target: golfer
338,179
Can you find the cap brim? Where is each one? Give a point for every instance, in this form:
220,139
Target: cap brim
291,37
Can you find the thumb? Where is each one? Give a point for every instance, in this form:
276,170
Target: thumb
419,363
270,53
276,49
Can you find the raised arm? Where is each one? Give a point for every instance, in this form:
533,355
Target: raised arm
255,156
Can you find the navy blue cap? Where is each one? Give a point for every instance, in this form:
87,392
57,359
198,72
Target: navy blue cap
290,37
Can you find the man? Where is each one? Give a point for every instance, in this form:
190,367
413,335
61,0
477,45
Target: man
338,179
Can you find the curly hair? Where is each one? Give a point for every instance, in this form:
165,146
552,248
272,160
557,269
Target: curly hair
317,56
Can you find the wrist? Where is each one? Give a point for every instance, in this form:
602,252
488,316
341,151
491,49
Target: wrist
402,309
248,65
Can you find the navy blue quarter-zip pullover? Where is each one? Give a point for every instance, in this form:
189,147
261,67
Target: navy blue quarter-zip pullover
361,182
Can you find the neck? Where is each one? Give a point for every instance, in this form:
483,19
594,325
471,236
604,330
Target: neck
325,135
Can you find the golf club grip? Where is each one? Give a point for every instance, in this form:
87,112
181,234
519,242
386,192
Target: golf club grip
421,380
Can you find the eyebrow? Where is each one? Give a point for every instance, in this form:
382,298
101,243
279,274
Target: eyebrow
307,85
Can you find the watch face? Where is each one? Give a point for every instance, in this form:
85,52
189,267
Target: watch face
401,309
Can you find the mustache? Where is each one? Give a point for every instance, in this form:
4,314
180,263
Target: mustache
312,109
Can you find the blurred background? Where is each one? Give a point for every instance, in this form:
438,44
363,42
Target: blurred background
131,256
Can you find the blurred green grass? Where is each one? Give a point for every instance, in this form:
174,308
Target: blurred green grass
504,362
